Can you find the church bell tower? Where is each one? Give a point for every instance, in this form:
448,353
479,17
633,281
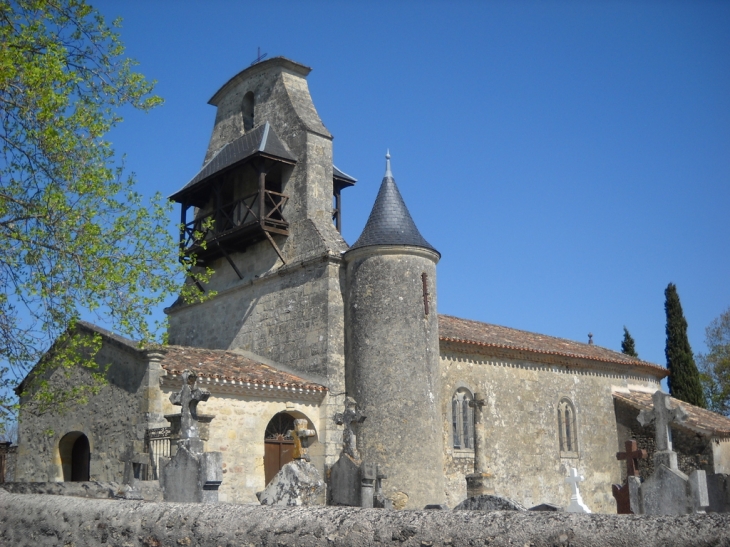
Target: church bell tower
260,214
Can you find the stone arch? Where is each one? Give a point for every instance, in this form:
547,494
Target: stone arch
75,452
462,419
567,428
278,444
247,111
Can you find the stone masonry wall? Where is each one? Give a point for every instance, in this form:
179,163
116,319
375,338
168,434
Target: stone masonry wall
393,369
294,317
111,420
40,521
522,428
237,431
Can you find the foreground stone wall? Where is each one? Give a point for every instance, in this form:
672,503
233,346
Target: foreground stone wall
56,520
522,422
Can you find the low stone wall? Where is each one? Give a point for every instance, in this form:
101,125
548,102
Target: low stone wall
41,520
148,490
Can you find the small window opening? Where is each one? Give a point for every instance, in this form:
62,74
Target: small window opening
567,428
247,110
462,420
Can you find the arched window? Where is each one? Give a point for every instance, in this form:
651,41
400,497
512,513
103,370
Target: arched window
462,419
75,456
247,111
567,428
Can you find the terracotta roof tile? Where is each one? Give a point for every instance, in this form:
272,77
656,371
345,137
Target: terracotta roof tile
230,366
455,329
698,420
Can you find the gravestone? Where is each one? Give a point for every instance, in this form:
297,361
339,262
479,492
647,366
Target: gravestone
488,502
354,482
368,476
297,482
627,492
662,415
576,501
718,490
191,475
668,491
481,481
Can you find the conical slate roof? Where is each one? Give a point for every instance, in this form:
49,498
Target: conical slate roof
390,223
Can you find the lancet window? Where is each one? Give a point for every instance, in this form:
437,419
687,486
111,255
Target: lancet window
462,419
567,428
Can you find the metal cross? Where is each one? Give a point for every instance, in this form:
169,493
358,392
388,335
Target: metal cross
632,457
301,436
662,415
188,398
350,416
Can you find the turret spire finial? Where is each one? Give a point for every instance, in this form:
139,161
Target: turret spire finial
388,172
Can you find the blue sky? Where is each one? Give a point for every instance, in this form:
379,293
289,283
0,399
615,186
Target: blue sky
568,159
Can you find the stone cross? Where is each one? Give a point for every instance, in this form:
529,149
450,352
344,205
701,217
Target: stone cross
350,416
663,415
632,457
188,398
576,501
301,436
480,434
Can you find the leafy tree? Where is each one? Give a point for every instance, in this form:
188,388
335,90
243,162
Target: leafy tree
627,344
684,378
75,236
715,365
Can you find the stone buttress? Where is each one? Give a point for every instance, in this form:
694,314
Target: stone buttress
392,351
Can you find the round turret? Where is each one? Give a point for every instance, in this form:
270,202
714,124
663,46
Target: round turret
392,351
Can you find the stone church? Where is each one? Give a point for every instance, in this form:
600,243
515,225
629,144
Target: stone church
301,319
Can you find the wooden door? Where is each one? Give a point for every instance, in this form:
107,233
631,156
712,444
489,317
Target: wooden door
278,444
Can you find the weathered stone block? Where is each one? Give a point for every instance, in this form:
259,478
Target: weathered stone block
297,483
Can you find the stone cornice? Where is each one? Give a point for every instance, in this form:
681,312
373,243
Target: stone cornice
251,389
550,359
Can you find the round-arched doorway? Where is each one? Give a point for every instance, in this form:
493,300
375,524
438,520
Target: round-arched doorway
278,444
75,455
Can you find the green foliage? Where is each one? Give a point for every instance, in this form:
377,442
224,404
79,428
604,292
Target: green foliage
684,378
715,365
74,234
627,344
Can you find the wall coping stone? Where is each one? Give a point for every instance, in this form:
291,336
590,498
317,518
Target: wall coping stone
54,520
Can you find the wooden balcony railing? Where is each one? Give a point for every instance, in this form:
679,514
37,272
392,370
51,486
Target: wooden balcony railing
248,215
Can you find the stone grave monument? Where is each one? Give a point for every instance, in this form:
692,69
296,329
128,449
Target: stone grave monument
630,489
190,475
355,482
668,491
481,481
298,482
576,501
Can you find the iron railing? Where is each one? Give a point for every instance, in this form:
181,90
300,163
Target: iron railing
157,445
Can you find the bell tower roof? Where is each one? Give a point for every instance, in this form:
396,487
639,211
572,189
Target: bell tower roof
390,223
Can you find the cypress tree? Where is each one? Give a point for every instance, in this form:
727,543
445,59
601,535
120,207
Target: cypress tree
684,378
627,345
